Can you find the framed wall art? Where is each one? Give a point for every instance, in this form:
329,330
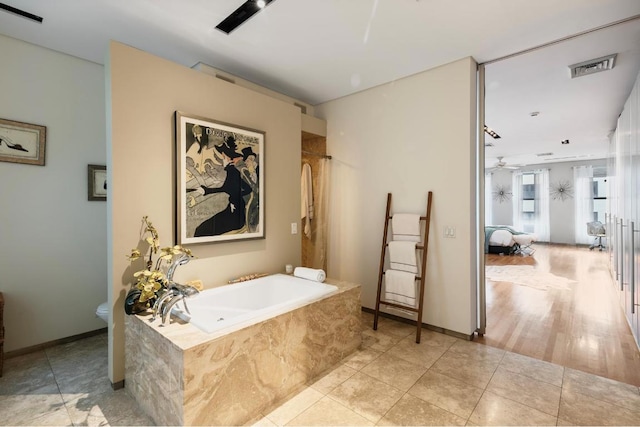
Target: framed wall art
220,181
22,142
97,182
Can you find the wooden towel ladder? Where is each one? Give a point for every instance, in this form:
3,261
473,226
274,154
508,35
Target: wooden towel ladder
423,247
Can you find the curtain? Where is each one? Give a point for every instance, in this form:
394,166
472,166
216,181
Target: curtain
322,209
583,179
516,185
488,199
541,221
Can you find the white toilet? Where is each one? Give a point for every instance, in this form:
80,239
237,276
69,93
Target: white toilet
103,311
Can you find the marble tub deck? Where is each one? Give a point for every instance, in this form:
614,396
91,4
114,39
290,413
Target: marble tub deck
68,385
188,377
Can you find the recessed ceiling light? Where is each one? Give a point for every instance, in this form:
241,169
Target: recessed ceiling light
564,142
534,113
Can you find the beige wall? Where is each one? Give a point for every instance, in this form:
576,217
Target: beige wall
143,93
407,137
53,258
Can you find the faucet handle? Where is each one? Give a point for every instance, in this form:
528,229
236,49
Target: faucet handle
187,291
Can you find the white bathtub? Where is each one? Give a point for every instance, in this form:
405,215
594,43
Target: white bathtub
232,307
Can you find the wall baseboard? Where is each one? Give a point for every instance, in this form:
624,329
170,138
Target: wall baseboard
117,385
38,347
424,325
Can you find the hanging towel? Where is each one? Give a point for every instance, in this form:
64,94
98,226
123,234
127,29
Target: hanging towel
310,274
400,287
406,227
306,199
402,256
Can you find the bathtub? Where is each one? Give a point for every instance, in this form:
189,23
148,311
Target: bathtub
276,334
230,307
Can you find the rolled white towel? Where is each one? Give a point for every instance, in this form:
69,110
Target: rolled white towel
317,275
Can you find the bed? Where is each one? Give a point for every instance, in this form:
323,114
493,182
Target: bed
503,239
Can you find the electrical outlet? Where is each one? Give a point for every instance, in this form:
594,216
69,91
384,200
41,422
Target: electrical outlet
294,228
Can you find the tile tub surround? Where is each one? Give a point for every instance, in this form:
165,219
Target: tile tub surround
180,375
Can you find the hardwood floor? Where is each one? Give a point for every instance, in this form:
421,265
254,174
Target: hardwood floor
578,325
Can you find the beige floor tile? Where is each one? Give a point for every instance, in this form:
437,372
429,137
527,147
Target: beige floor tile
523,389
448,393
378,341
394,371
294,406
366,320
361,358
600,388
538,369
366,396
474,370
328,412
411,411
113,408
20,408
333,379
59,417
95,364
84,384
496,410
581,409
476,351
23,374
396,328
81,350
424,354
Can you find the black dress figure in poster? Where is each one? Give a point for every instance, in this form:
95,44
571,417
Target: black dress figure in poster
233,217
250,172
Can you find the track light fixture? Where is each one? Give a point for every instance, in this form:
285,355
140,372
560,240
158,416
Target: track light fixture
241,14
492,133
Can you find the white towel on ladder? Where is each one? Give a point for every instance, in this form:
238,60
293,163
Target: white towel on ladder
400,287
402,256
306,199
406,227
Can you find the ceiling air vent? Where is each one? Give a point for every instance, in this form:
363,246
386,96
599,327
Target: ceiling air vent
593,66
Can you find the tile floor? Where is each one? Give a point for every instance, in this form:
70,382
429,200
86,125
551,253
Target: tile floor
63,386
389,381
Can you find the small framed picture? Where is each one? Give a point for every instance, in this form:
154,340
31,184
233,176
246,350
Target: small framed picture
22,142
97,182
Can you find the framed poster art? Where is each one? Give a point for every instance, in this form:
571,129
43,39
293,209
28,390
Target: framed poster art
97,179
220,181
22,142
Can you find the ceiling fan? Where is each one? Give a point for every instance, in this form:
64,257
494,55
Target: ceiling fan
503,165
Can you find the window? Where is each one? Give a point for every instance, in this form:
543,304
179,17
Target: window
531,202
528,201
599,198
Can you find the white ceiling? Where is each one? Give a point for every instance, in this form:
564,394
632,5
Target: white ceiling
319,50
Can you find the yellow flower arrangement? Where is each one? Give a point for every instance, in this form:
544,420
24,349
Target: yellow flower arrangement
152,280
